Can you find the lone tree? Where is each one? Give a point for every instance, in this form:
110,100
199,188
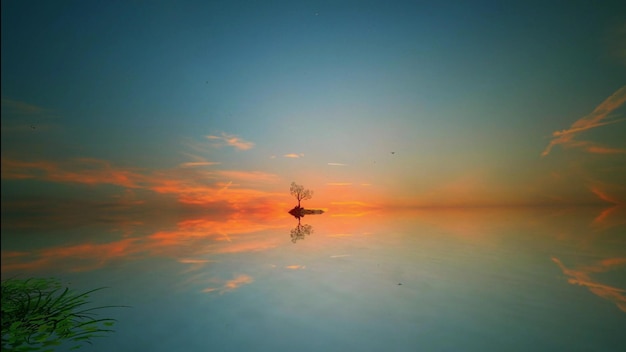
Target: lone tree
300,193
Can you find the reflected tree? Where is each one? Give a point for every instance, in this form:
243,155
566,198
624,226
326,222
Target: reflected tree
300,231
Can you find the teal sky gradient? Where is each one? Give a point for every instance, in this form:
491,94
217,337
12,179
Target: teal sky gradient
386,103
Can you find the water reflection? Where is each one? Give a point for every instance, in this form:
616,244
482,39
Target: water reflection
300,231
220,254
598,262
582,276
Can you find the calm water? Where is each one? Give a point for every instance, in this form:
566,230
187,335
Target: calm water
440,280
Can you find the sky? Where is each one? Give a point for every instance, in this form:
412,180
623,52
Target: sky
185,106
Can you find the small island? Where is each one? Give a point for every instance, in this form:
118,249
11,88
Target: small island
301,194
299,212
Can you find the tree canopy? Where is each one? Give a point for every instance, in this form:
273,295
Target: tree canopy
300,193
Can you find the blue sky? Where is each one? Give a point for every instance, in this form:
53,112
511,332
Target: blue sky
378,103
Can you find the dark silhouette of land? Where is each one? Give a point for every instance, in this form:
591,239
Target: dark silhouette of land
299,212
301,193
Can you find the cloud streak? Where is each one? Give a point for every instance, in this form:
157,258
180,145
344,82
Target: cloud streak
189,185
231,140
595,119
198,163
83,170
18,107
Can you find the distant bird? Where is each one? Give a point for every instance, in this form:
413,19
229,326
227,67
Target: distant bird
393,152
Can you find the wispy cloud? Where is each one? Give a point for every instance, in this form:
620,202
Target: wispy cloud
18,107
339,183
336,164
193,186
225,139
598,117
256,176
82,170
196,160
198,163
18,116
294,155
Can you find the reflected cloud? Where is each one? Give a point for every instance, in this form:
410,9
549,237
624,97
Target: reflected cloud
192,242
610,217
73,258
341,235
582,276
231,285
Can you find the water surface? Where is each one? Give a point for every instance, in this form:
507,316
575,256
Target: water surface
546,279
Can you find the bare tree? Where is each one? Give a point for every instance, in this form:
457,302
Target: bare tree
300,193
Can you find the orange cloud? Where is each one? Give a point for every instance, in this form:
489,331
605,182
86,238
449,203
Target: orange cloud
189,185
594,119
83,170
231,140
294,155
